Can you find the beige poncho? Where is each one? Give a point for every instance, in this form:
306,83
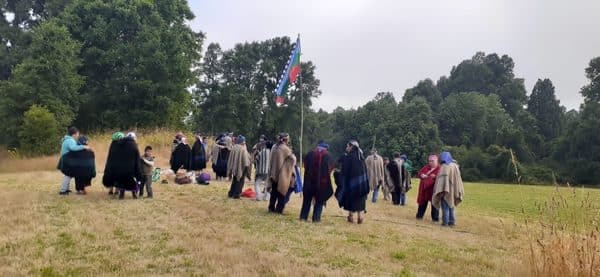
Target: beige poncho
282,168
375,170
448,186
239,162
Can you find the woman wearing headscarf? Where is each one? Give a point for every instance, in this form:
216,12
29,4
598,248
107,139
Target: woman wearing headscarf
80,165
198,154
318,165
427,176
352,194
181,157
123,165
448,190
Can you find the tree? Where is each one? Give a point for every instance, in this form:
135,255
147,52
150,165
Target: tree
237,89
546,109
591,92
473,119
426,89
578,148
39,134
487,74
15,34
47,77
138,59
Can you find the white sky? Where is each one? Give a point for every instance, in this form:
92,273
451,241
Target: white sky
363,47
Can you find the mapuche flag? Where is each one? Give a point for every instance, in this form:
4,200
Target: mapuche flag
290,73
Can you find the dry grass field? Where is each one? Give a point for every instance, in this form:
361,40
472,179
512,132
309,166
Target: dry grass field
196,230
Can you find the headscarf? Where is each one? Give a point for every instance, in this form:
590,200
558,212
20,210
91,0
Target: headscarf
83,140
446,157
240,139
403,157
118,136
322,144
132,135
360,152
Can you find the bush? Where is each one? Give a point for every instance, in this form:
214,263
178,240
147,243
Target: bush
538,174
39,134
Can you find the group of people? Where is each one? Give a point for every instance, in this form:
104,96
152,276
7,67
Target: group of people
126,169
276,175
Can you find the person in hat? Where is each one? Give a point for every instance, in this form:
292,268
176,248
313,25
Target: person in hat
427,176
69,144
238,167
317,189
448,190
375,171
281,173
123,166
224,145
354,187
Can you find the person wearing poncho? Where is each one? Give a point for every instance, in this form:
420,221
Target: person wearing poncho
225,145
400,177
181,157
123,165
198,154
80,165
262,154
238,167
427,176
353,187
281,173
448,190
318,165
375,171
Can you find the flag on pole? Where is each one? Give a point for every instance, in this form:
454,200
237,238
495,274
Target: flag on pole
290,74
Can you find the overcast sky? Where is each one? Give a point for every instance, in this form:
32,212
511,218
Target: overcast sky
362,47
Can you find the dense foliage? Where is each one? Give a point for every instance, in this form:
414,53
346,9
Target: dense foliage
106,64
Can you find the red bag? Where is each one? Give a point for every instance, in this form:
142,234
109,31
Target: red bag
249,193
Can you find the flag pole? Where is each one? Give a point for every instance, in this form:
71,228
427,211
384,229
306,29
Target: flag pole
301,112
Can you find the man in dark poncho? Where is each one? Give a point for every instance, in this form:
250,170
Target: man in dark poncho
400,178
80,165
123,165
181,156
198,154
354,184
318,165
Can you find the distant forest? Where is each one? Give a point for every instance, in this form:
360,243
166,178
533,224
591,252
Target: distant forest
105,65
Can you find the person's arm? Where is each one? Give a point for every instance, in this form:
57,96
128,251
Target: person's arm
73,146
150,163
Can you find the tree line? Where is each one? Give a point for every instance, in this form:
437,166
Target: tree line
103,65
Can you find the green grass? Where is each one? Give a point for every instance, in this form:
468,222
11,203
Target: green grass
196,230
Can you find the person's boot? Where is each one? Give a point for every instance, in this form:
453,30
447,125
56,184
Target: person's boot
134,194
121,194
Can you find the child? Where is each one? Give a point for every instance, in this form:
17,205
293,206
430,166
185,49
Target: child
147,167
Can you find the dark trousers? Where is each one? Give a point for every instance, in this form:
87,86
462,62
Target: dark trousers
435,213
148,184
81,183
398,198
277,201
306,203
236,188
